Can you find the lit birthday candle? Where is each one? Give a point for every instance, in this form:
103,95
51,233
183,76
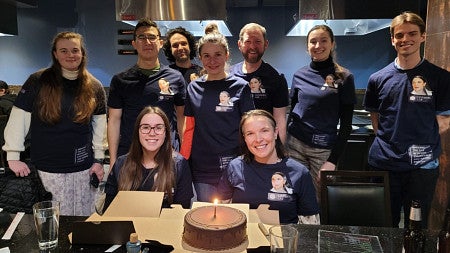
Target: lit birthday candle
215,207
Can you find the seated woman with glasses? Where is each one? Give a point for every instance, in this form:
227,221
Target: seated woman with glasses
265,175
151,164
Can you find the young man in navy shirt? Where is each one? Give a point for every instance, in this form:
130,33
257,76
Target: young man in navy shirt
137,87
408,125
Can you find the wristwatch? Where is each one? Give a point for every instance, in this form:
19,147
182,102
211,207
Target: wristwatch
101,161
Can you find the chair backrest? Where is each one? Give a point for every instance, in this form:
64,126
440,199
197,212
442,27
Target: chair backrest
355,198
355,154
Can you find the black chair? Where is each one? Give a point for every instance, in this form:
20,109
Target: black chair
355,198
356,152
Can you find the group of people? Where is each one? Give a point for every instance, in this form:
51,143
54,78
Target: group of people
226,133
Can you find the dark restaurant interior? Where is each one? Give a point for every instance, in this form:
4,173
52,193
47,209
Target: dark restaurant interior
28,26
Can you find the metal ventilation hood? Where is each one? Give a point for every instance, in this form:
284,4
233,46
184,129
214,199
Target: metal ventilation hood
193,15
335,15
8,19
341,27
8,15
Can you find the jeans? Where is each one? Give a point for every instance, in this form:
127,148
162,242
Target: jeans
205,192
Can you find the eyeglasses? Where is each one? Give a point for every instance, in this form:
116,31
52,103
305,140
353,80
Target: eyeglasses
150,37
146,129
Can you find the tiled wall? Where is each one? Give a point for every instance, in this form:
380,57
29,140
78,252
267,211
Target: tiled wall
437,51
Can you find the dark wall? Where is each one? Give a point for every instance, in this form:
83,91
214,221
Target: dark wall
95,20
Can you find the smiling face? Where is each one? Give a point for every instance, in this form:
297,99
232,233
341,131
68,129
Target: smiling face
214,57
68,53
260,136
180,48
407,39
224,98
320,45
329,80
278,182
252,45
151,142
163,85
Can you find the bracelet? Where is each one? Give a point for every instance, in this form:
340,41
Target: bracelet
101,161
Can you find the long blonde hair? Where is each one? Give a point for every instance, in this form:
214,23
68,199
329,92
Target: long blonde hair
131,173
49,98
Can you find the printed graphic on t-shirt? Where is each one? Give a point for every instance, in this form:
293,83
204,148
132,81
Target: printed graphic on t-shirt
224,161
320,139
330,82
420,90
80,154
420,154
193,76
256,85
281,189
164,87
225,103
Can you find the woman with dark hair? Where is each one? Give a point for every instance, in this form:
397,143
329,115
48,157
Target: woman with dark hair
250,178
317,109
420,87
64,108
151,164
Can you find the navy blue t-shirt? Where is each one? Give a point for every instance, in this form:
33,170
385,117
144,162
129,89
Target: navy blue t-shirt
187,73
66,146
315,113
273,92
132,90
216,133
252,183
408,132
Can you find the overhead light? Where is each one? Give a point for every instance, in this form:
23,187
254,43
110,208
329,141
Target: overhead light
341,27
196,27
193,15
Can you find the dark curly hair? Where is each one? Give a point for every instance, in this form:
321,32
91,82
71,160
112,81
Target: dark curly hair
190,38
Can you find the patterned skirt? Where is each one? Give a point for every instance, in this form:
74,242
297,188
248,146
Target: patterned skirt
72,190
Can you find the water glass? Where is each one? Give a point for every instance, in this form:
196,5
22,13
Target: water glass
283,239
46,219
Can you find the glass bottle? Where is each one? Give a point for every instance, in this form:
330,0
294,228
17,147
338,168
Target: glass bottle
414,237
134,245
444,234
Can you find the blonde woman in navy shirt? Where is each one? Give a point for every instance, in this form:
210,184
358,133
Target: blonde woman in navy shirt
211,137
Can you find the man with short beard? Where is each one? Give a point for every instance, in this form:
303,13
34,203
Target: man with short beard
180,49
274,95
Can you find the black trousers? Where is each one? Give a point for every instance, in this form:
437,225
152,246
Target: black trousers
418,184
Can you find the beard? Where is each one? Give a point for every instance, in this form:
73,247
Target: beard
253,58
181,58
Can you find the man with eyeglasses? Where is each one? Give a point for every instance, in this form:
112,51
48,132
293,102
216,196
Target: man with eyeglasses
180,49
130,91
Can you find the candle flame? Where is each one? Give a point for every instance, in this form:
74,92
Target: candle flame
216,201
